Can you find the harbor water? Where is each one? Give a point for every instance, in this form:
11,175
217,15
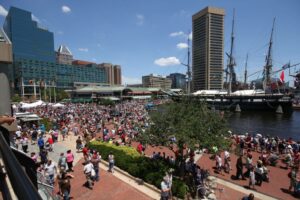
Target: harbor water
265,123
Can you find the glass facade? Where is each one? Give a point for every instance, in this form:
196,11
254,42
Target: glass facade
63,75
28,40
178,80
34,58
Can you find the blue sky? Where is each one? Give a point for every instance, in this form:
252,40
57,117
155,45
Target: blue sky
137,33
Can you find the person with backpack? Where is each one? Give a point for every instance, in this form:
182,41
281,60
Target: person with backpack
41,143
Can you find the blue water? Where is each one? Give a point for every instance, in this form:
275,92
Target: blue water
266,123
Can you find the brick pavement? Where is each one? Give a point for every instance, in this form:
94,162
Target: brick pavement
277,187
109,187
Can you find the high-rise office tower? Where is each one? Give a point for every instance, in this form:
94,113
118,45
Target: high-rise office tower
29,41
208,49
117,75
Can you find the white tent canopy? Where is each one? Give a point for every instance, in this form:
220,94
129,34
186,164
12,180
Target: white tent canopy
32,105
58,105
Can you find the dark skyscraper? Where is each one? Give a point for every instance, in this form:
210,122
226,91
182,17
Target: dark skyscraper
208,48
178,81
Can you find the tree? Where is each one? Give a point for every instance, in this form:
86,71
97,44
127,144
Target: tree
61,94
191,123
16,98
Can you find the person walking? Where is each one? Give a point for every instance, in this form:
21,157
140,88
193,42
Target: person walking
50,170
78,144
41,143
70,159
239,167
96,159
111,161
62,162
24,143
88,171
293,178
248,165
65,184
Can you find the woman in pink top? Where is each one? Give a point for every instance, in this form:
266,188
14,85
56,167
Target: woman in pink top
70,159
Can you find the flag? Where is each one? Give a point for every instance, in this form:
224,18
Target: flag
282,77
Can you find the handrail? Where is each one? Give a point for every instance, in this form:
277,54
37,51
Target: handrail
23,187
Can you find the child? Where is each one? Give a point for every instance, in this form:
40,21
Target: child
252,178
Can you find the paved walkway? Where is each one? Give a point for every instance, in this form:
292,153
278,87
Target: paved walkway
120,186
111,186
276,188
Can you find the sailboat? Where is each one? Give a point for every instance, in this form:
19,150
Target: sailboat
251,99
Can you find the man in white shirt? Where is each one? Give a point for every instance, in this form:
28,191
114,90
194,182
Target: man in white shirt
88,171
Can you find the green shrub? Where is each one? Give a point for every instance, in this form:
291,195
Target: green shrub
179,188
128,159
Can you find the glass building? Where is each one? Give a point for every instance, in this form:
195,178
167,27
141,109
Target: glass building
28,39
34,57
178,80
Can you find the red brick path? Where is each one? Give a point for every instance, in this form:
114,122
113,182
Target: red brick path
108,187
279,180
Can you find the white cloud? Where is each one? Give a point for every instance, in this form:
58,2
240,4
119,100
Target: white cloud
60,32
66,9
167,61
131,80
182,45
98,45
34,18
140,19
179,33
83,49
191,36
3,11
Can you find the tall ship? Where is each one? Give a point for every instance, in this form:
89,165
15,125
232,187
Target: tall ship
266,94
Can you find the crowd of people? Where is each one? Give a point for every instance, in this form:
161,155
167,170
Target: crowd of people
271,150
84,121
128,119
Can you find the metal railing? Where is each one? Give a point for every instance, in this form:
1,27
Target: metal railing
23,187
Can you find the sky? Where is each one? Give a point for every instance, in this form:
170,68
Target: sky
146,36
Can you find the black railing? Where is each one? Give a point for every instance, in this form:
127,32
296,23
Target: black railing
21,183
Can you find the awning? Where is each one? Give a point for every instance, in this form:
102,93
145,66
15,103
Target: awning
29,119
141,97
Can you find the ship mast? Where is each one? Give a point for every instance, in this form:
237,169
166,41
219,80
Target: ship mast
268,66
245,74
188,68
231,64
